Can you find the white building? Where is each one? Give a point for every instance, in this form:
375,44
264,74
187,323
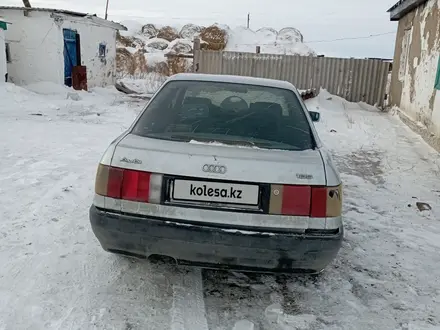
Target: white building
3,69
45,45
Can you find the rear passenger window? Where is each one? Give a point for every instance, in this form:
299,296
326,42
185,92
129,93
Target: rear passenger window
229,113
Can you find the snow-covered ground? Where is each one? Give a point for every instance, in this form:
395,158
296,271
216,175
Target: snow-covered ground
54,274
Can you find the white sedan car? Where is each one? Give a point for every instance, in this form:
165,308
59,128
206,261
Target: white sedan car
221,172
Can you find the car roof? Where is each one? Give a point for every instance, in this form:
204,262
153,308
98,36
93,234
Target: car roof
233,79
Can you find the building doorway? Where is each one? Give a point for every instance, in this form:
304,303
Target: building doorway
72,54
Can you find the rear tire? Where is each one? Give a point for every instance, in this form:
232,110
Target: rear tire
162,260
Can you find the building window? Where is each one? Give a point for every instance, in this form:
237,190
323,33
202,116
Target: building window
406,45
102,50
437,78
8,53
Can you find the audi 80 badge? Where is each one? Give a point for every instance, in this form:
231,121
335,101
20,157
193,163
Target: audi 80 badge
211,168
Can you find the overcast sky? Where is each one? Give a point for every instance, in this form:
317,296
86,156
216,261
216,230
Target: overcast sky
317,19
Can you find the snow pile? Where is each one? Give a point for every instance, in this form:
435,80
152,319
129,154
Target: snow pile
288,41
49,101
189,31
47,88
143,48
148,85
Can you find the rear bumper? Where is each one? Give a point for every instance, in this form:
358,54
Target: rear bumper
214,247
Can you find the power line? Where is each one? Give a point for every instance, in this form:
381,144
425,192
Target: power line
351,38
277,43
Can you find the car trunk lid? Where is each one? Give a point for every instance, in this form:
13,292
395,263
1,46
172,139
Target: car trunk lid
220,162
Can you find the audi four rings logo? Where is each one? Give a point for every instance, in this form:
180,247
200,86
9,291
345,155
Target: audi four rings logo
220,169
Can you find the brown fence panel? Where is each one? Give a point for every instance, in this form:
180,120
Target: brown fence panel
354,79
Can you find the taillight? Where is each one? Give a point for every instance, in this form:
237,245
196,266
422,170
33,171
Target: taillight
318,207
114,183
127,184
316,202
135,186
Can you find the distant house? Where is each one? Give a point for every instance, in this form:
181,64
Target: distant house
48,44
415,83
3,50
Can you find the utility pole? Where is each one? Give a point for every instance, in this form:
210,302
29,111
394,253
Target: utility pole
248,19
106,10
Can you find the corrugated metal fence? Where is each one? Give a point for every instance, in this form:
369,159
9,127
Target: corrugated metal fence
353,79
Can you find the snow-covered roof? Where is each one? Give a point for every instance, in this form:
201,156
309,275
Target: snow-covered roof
94,18
403,7
2,19
233,79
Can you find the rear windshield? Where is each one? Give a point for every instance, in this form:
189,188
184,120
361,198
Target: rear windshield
227,113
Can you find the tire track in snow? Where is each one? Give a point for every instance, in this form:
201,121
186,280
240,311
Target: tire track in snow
188,308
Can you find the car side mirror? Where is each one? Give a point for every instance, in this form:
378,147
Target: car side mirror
315,115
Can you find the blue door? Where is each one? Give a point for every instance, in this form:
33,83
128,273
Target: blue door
70,59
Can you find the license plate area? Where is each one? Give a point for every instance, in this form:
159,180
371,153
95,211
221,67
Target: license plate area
216,194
